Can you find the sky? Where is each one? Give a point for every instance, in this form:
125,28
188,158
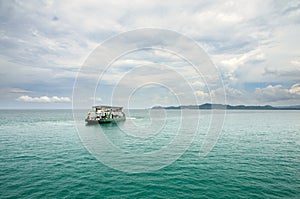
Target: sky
254,45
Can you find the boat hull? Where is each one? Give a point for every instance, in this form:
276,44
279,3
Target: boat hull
103,121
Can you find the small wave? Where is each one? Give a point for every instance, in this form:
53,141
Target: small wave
131,118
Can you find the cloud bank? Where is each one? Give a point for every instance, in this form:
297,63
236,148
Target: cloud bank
43,99
254,44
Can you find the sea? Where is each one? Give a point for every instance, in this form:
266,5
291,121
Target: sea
253,154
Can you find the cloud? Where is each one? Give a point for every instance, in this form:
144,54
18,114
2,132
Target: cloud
41,43
295,62
232,95
278,93
43,99
201,94
272,94
295,89
236,61
96,99
287,74
198,84
18,90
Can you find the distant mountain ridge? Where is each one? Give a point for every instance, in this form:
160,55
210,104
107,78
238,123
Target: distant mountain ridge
229,107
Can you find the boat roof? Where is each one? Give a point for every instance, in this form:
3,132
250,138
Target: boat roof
108,107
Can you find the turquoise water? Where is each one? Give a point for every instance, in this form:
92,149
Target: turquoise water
257,156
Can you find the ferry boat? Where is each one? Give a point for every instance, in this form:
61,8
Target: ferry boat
105,114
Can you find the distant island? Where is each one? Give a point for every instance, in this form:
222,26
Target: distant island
229,107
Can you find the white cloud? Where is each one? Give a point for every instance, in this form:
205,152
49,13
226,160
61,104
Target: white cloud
295,89
232,96
96,99
239,60
233,18
198,84
201,94
278,93
43,99
18,90
272,95
295,62
251,41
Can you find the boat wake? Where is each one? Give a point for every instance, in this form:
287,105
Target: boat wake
131,118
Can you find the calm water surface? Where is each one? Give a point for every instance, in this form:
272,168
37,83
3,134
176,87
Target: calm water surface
257,156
